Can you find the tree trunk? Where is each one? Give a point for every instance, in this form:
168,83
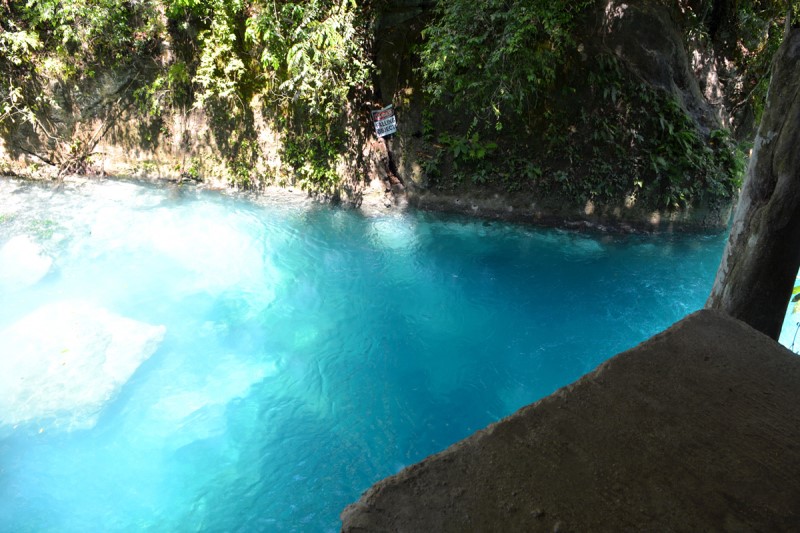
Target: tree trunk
758,269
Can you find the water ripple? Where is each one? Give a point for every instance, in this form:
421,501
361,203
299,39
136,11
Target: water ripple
307,351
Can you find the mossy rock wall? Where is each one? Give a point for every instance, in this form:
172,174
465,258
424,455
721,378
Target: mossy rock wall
624,137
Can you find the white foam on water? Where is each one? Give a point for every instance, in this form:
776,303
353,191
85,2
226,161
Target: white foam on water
22,264
393,233
218,252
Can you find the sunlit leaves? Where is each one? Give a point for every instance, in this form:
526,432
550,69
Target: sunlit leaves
220,65
309,52
18,46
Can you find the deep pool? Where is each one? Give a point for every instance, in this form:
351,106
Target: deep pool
174,360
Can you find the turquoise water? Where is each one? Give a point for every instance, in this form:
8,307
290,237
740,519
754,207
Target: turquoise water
176,360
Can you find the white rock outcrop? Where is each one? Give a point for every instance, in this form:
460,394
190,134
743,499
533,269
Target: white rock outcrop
62,363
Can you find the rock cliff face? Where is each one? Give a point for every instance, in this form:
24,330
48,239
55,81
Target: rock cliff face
647,42
648,39
587,156
759,266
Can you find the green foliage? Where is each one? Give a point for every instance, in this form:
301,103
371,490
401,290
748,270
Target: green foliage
312,56
748,42
299,64
760,27
606,138
193,171
491,57
18,47
242,163
312,52
171,89
221,66
486,60
50,50
302,59
642,144
86,35
796,297
313,155
470,153
467,148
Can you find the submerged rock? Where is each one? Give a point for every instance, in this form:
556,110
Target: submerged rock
62,363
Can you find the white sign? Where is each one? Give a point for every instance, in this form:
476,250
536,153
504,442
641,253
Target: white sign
385,122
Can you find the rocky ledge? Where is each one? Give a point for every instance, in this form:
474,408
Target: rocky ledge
696,429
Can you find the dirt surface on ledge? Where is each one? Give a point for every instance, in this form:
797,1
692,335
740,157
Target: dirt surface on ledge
696,429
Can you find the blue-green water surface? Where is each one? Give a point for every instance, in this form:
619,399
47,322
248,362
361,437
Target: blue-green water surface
306,352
